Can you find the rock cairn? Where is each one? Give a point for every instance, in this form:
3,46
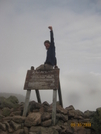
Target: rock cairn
39,119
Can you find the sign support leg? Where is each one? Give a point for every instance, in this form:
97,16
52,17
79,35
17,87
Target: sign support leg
26,102
60,95
54,106
38,96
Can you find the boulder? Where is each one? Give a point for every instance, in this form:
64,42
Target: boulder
75,114
60,122
20,131
62,117
14,125
13,99
66,130
6,111
48,131
61,110
45,103
2,126
58,128
10,130
69,108
10,102
48,109
1,101
15,113
33,119
46,116
96,121
1,117
35,129
32,133
8,118
33,106
98,111
46,123
25,130
84,120
19,119
0,111
42,110
79,130
3,132
88,114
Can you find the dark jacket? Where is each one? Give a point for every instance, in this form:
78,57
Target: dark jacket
51,59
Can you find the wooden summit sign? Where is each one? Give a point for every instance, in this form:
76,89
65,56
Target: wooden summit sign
42,79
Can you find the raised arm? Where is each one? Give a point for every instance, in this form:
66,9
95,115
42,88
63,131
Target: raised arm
51,35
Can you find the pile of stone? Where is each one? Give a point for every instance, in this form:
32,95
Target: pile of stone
39,119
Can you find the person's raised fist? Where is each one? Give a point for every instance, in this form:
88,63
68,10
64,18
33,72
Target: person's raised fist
50,27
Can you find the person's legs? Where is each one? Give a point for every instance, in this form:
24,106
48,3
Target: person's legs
41,67
44,67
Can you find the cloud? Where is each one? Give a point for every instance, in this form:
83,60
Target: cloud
80,90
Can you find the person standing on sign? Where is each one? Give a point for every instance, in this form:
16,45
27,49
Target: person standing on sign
51,61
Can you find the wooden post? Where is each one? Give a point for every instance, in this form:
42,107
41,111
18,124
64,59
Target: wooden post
38,95
60,95
26,102
54,106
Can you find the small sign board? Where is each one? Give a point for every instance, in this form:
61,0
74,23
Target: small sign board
42,79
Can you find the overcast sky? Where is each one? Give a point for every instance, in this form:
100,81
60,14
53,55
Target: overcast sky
77,32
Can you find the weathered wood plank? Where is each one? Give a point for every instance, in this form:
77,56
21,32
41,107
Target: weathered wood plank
42,79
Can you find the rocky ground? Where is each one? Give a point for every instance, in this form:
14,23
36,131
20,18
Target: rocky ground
38,120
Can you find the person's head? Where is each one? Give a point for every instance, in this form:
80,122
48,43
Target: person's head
47,44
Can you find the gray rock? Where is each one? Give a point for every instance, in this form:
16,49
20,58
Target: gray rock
25,130
35,129
33,119
46,116
13,99
62,117
79,130
15,113
6,111
75,113
47,123
3,126
10,130
46,103
69,108
20,131
3,132
58,128
98,110
14,125
66,130
19,119
1,117
84,121
33,106
61,110
32,133
88,114
48,131
8,118
10,102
